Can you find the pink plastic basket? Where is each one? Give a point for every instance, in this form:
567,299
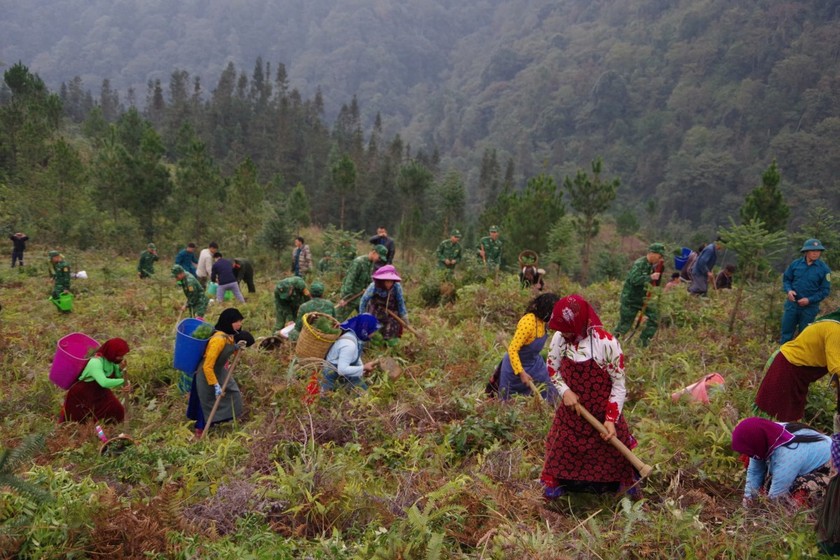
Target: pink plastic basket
70,358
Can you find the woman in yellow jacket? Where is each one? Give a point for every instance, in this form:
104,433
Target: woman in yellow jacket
212,371
798,363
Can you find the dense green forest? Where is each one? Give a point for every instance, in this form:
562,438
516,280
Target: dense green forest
440,107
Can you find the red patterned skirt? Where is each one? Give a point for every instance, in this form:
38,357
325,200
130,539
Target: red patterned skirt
575,455
784,389
86,400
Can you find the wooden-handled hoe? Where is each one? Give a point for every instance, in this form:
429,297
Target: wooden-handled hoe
643,468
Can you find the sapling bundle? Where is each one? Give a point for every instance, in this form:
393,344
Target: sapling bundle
203,332
325,325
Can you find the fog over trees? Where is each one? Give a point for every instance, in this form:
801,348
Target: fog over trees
687,102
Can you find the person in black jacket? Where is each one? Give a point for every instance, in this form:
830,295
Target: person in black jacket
381,238
244,271
19,240
222,273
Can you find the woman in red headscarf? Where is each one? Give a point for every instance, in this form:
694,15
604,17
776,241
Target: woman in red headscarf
90,397
587,366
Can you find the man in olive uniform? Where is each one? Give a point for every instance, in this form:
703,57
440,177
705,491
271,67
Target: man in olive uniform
146,266
244,271
636,295
60,273
490,250
356,281
317,304
196,297
289,294
449,251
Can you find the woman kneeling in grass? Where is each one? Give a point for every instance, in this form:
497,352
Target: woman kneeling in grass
522,362
90,398
792,455
344,358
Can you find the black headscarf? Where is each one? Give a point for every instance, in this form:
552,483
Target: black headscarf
227,319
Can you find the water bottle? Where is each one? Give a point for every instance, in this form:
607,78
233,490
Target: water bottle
100,433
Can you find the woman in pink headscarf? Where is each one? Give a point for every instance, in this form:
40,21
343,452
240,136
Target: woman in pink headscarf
90,398
587,366
785,452
383,299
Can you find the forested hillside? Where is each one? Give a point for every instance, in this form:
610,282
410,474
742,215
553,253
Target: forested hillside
687,102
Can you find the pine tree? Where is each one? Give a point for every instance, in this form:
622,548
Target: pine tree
589,197
531,212
766,203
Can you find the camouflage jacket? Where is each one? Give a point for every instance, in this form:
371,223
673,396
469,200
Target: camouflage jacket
447,250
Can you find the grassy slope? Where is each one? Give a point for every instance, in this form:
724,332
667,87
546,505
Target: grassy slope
420,466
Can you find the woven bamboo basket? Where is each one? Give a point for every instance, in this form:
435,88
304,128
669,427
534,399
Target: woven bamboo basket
313,343
528,258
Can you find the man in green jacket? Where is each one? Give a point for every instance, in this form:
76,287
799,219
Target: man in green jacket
289,294
356,281
60,272
197,299
316,304
449,251
146,266
490,250
636,296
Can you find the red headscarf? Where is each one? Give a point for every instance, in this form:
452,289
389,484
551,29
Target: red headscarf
573,318
113,349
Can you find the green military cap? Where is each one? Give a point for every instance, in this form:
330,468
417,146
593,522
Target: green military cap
494,229
657,248
52,254
151,246
381,250
456,233
317,288
177,269
812,245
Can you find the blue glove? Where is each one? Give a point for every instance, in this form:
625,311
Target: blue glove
218,389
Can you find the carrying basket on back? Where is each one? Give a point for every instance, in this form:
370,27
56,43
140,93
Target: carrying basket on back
312,342
528,258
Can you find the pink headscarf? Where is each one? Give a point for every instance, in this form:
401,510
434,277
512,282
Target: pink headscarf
758,437
573,317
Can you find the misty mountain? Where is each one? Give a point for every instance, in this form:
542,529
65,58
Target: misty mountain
687,101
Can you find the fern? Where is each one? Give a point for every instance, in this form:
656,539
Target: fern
12,459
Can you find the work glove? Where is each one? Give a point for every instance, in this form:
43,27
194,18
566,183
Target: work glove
218,389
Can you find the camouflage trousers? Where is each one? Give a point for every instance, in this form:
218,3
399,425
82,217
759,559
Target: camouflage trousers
627,320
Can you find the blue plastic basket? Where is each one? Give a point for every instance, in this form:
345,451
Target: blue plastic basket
188,350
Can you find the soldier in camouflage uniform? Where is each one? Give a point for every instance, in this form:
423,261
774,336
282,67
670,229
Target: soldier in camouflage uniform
196,297
635,296
449,251
146,266
356,281
317,304
289,294
490,250
60,272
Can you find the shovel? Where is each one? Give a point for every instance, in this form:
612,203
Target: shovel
643,468
209,422
406,326
390,366
177,321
